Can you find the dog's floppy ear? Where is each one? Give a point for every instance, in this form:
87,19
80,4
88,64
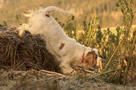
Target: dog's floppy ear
91,59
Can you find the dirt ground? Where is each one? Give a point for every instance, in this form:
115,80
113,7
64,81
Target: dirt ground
33,80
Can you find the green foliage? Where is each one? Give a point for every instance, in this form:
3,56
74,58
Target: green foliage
127,47
116,49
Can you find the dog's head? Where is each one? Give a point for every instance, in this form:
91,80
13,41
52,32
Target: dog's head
92,59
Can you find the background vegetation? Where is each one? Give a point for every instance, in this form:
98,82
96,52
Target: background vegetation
106,10
116,46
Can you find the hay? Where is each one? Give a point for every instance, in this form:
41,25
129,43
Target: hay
24,53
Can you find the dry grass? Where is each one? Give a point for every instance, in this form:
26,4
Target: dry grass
25,53
105,9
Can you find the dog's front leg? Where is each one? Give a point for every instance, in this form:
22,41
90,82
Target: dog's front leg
66,68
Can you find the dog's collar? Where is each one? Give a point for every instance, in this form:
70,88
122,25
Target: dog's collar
83,57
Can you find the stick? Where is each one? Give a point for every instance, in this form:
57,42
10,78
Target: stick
113,55
100,64
78,68
102,73
50,72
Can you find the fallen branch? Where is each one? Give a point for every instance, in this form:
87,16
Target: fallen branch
81,68
50,72
103,73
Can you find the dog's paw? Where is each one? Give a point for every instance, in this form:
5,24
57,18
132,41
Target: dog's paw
68,72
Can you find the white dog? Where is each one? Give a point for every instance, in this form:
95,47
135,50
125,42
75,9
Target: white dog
65,49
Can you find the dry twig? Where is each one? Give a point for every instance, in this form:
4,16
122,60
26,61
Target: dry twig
103,73
50,72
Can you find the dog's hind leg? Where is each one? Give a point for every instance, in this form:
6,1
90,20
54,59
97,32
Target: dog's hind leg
54,9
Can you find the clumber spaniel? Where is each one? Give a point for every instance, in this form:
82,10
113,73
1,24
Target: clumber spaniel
66,50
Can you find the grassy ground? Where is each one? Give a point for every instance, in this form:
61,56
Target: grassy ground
20,80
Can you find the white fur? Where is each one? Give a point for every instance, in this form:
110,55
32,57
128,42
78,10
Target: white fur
53,34
22,28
